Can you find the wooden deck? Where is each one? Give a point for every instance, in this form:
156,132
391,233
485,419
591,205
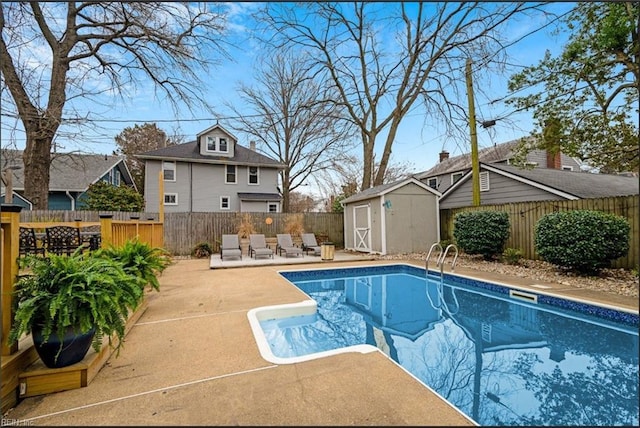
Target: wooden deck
25,375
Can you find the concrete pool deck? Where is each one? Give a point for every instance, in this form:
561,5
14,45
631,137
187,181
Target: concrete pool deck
192,359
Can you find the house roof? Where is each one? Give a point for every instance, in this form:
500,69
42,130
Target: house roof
189,152
568,184
259,196
383,189
497,153
72,172
216,126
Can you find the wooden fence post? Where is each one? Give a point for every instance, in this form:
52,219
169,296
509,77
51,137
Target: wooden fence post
10,252
106,230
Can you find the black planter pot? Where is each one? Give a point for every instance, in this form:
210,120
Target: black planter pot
74,347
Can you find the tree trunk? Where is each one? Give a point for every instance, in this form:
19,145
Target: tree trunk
368,141
386,153
285,191
37,158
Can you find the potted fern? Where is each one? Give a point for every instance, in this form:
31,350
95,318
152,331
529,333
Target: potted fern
140,260
69,303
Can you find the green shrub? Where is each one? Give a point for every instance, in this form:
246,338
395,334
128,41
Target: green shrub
201,250
102,196
583,241
511,256
481,232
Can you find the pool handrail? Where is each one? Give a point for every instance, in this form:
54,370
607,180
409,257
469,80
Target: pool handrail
426,265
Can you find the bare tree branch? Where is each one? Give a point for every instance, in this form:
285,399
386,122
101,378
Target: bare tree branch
114,43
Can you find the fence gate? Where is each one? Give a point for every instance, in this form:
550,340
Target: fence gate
362,228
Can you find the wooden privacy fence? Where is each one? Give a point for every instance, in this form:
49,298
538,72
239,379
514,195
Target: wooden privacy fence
523,217
66,215
183,231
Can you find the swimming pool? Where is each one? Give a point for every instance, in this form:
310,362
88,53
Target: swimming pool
501,356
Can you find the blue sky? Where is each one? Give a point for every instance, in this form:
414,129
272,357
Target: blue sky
417,144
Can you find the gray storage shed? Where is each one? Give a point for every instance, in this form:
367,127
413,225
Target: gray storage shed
394,218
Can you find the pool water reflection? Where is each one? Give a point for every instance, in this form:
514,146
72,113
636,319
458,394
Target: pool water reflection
499,360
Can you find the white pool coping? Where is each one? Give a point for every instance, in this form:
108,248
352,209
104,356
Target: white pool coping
309,307
306,307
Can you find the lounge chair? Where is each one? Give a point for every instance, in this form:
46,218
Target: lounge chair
285,245
309,243
258,246
230,247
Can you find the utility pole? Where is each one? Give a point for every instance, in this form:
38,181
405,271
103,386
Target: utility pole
475,163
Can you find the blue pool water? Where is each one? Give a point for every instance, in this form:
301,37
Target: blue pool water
501,360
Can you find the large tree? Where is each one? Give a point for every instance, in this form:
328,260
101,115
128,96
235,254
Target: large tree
54,55
589,92
386,59
139,139
290,114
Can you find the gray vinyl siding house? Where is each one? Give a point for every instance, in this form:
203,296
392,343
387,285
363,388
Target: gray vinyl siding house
501,184
212,174
450,169
394,218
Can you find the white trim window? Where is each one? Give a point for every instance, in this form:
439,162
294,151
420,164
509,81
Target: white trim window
432,182
217,144
169,170
211,143
117,178
225,203
230,173
272,207
253,175
171,199
484,181
455,177
567,168
222,145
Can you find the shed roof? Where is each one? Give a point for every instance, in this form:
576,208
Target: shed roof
383,189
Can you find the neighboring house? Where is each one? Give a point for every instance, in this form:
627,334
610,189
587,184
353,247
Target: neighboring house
501,183
212,174
393,218
71,175
449,170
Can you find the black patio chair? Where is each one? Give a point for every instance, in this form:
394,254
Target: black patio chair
29,242
91,237
63,239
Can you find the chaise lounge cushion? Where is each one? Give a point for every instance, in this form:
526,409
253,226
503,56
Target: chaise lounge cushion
230,247
309,243
285,244
258,246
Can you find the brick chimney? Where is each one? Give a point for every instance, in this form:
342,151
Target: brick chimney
444,155
554,160
252,145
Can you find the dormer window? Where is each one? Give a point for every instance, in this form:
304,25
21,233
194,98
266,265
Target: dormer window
217,144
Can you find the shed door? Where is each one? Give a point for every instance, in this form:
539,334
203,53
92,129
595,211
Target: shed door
362,228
